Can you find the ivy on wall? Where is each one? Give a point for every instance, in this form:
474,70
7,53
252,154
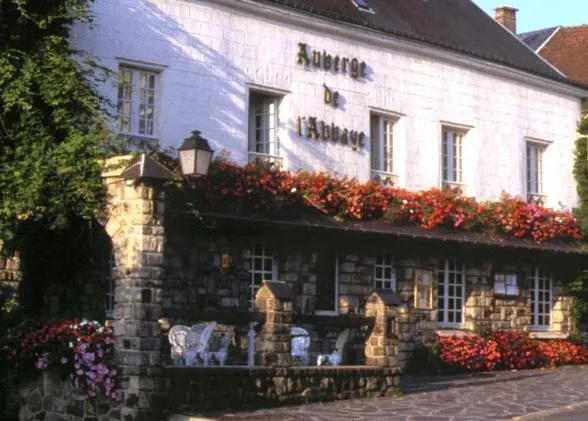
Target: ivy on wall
51,117
580,286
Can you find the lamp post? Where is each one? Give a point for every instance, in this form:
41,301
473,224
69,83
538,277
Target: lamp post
195,155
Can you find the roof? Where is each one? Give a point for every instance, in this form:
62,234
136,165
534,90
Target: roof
458,25
144,166
388,297
568,51
280,290
382,227
535,39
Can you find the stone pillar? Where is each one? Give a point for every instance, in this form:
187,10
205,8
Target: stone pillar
274,301
135,224
10,275
391,339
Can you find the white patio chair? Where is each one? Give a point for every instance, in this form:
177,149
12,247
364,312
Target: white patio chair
335,357
199,350
221,354
181,338
300,343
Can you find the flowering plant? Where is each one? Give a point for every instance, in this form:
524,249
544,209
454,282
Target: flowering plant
83,349
265,187
506,351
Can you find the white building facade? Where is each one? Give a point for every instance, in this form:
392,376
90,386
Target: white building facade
315,94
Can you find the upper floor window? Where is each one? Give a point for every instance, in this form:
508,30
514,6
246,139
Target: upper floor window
382,149
263,127
138,93
384,272
535,172
452,156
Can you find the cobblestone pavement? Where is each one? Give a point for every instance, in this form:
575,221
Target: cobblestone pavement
486,396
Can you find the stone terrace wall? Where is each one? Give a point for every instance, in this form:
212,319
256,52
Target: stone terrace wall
238,386
50,398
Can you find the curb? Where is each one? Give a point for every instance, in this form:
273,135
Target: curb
548,412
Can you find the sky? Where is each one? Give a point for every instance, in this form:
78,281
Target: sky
539,14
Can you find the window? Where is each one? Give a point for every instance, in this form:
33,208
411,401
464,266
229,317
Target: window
363,6
506,284
327,288
451,293
384,272
110,285
452,166
263,266
137,102
541,297
263,127
382,149
535,172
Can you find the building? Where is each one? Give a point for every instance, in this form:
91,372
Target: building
563,47
417,94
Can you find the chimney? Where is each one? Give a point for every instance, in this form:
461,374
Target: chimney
507,17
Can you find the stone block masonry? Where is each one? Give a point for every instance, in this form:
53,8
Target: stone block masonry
50,397
237,387
135,225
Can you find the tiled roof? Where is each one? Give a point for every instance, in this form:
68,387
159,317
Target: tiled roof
457,25
568,51
535,39
380,227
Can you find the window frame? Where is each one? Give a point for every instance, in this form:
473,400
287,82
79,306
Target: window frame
253,285
446,284
387,263
135,70
267,100
535,172
335,311
454,155
382,169
534,292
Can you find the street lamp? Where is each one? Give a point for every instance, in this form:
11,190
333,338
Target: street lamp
195,155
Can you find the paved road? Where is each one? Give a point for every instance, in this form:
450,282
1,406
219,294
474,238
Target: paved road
519,395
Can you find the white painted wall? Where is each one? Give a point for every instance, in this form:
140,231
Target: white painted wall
210,54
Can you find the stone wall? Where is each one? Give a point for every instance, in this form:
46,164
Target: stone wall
10,275
49,397
196,280
239,386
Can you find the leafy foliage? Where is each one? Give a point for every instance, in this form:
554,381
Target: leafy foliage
506,351
580,286
51,118
263,187
581,171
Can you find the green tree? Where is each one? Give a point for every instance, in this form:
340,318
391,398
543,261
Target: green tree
52,130
580,286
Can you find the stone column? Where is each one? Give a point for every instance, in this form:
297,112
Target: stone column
390,331
10,275
274,301
135,224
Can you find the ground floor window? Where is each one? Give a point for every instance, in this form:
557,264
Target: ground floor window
384,272
451,292
263,266
541,285
327,289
